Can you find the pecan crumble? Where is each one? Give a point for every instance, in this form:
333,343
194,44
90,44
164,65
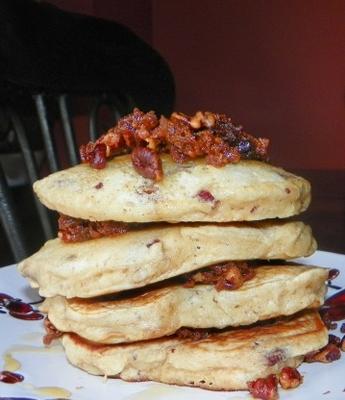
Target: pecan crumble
73,230
206,134
51,332
228,276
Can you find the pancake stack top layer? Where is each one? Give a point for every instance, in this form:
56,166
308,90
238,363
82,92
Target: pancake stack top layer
192,191
180,233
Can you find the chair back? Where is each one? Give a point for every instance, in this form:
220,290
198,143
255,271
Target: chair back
26,223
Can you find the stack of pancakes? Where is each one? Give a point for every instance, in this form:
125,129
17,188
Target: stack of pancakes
124,303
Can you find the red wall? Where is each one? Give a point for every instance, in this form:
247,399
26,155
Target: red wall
276,66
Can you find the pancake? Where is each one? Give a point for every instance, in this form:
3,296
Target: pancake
192,191
222,361
135,259
274,291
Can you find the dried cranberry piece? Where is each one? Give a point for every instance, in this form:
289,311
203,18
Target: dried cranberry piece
147,163
99,185
99,156
275,356
264,388
205,195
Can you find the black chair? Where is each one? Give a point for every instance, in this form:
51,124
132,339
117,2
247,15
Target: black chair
20,168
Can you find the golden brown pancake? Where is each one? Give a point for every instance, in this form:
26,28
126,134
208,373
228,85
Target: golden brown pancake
274,291
192,191
222,361
136,259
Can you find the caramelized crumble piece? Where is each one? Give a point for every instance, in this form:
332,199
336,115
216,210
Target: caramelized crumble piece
206,134
78,230
194,334
51,332
290,378
229,276
331,352
264,388
327,354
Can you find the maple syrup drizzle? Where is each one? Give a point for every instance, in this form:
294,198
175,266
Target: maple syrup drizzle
10,363
155,392
18,308
53,391
21,310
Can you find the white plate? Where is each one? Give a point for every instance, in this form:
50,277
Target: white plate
49,368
